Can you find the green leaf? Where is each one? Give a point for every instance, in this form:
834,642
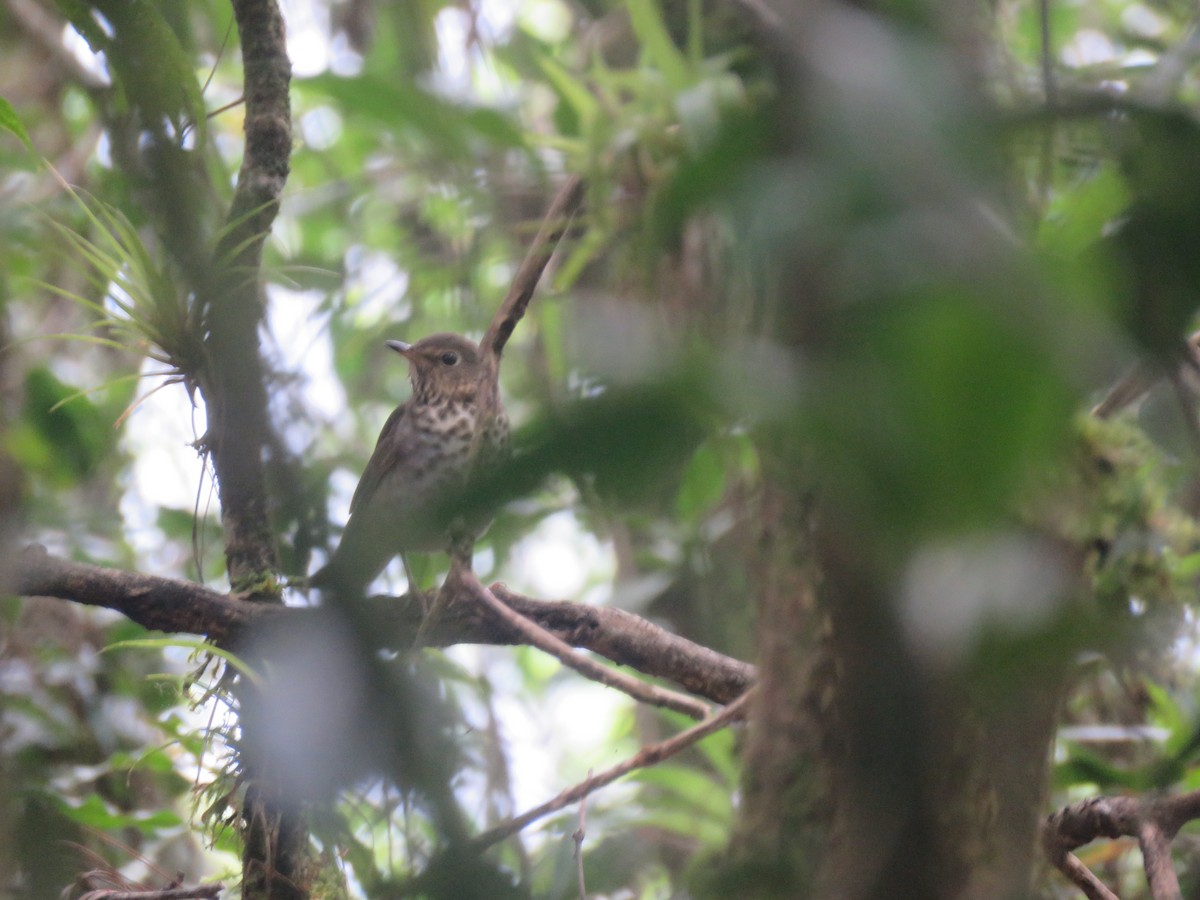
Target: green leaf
1084,767
953,399
194,644
75,438
658,48
450,128
706,832
94,813
689,788
1187,567
572,90
1078,215
703,483
1168,715
153,69
10,122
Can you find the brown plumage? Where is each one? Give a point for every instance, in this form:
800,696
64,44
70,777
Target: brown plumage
430,445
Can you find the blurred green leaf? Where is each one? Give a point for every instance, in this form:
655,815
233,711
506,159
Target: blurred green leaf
1079,213
63,441
10,121
233,659
626,443
571,90
450,129
687,788
93,812
1085,768
658,48
703,483
155,73
938,410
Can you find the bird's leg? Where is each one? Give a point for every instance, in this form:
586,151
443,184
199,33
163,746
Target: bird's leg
460,561
414,588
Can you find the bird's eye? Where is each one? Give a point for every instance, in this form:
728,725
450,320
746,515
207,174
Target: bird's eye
449,358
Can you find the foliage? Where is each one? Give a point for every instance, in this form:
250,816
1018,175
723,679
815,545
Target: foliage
911,318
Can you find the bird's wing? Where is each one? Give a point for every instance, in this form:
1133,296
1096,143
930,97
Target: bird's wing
390,450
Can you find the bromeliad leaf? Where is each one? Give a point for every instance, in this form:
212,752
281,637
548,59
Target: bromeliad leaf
140,305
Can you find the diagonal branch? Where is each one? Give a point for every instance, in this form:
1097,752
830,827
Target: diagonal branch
554,226
649,755
539,637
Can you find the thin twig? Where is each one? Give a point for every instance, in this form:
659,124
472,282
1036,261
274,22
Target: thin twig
589,668
1155,842
577,837
1135,384
647,756
554,226
1153,821
204,892
579,845
1081,876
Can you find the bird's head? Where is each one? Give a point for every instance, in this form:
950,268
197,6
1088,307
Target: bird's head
442,367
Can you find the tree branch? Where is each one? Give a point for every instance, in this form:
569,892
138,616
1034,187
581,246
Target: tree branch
204,892
233,377
539,637
160,604
649,755
554,226
1154,822
166,604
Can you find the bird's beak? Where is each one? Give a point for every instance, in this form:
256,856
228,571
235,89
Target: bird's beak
400,347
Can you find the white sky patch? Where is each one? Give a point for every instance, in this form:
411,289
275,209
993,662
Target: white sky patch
344,59
1139,57
496,19
454,68
464,70
321,127
77,46
166,469
1089,47
307,37
952,591
559,558
548,20
1143,21
300,339
551,746
376,287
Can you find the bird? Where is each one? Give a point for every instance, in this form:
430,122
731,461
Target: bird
452,426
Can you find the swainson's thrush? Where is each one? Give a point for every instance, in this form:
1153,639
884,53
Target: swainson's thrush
431,444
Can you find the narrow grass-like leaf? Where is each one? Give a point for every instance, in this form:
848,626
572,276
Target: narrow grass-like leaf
132,407
10,122
139,299
571,89
84,338
194,644
77,395
661,52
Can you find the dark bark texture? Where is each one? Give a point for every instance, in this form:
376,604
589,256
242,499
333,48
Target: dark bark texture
233,378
